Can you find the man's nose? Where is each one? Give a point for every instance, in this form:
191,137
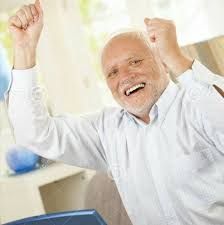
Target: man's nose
125,73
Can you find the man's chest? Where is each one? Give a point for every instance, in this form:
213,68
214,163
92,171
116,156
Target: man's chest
174,152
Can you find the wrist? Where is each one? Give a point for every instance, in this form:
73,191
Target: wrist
179,63
24,58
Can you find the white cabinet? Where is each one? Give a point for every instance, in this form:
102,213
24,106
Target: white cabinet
57,187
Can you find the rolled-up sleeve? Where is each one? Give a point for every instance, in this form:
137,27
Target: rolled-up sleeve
200,82
67,138
199,73
212,117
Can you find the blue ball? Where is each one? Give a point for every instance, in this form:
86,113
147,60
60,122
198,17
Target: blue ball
5,73
21,160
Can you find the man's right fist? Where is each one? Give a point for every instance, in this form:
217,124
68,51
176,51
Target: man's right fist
26,26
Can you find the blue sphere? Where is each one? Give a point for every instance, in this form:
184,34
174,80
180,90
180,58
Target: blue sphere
5,73
21,160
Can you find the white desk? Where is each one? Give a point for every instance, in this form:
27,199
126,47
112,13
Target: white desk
57,187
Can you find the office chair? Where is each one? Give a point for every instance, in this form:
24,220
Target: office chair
81,217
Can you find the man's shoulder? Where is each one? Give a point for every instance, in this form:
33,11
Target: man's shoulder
109,119
199,74
111,114
191,98
195,90
106,113
200,96
112,110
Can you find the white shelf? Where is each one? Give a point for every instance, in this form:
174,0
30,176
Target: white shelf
44,175
30,194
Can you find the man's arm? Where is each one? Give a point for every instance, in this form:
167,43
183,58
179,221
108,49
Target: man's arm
72,140
163,34
211,110
66,138
198,73
25,27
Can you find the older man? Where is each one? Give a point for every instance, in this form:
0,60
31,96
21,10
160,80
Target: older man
164,146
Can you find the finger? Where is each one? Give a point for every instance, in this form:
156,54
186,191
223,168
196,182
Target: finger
152,37
157,22
28,13
38,7
151,24
156,29
21,15
151,28
146,21
151,21
14,21
34,12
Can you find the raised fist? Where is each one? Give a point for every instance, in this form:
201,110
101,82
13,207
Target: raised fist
26,25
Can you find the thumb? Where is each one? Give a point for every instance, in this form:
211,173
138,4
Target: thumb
38,7
14,29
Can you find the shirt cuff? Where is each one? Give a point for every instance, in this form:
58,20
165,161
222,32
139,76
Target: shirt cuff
187,76
24,79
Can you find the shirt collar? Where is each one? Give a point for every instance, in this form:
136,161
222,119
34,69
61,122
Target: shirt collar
161,107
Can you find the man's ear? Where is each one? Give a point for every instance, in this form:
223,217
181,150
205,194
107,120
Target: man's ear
220,91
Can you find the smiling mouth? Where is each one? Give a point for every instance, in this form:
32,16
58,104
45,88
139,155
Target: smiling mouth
134,89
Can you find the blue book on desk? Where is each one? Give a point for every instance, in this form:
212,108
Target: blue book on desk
81,217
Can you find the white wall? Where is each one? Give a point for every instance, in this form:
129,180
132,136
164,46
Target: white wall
64,60
196,20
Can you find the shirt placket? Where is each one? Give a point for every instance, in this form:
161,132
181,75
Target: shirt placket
157,175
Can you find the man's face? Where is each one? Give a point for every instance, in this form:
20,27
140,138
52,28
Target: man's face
132,74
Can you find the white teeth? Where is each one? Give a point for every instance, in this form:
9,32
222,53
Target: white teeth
134,88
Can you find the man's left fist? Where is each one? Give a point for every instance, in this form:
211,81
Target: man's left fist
162,33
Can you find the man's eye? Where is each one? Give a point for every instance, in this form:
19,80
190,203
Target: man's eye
136,62
112,73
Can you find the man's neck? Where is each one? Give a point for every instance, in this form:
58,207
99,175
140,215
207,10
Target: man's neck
145,117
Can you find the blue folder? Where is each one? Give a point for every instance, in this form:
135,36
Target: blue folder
81,217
